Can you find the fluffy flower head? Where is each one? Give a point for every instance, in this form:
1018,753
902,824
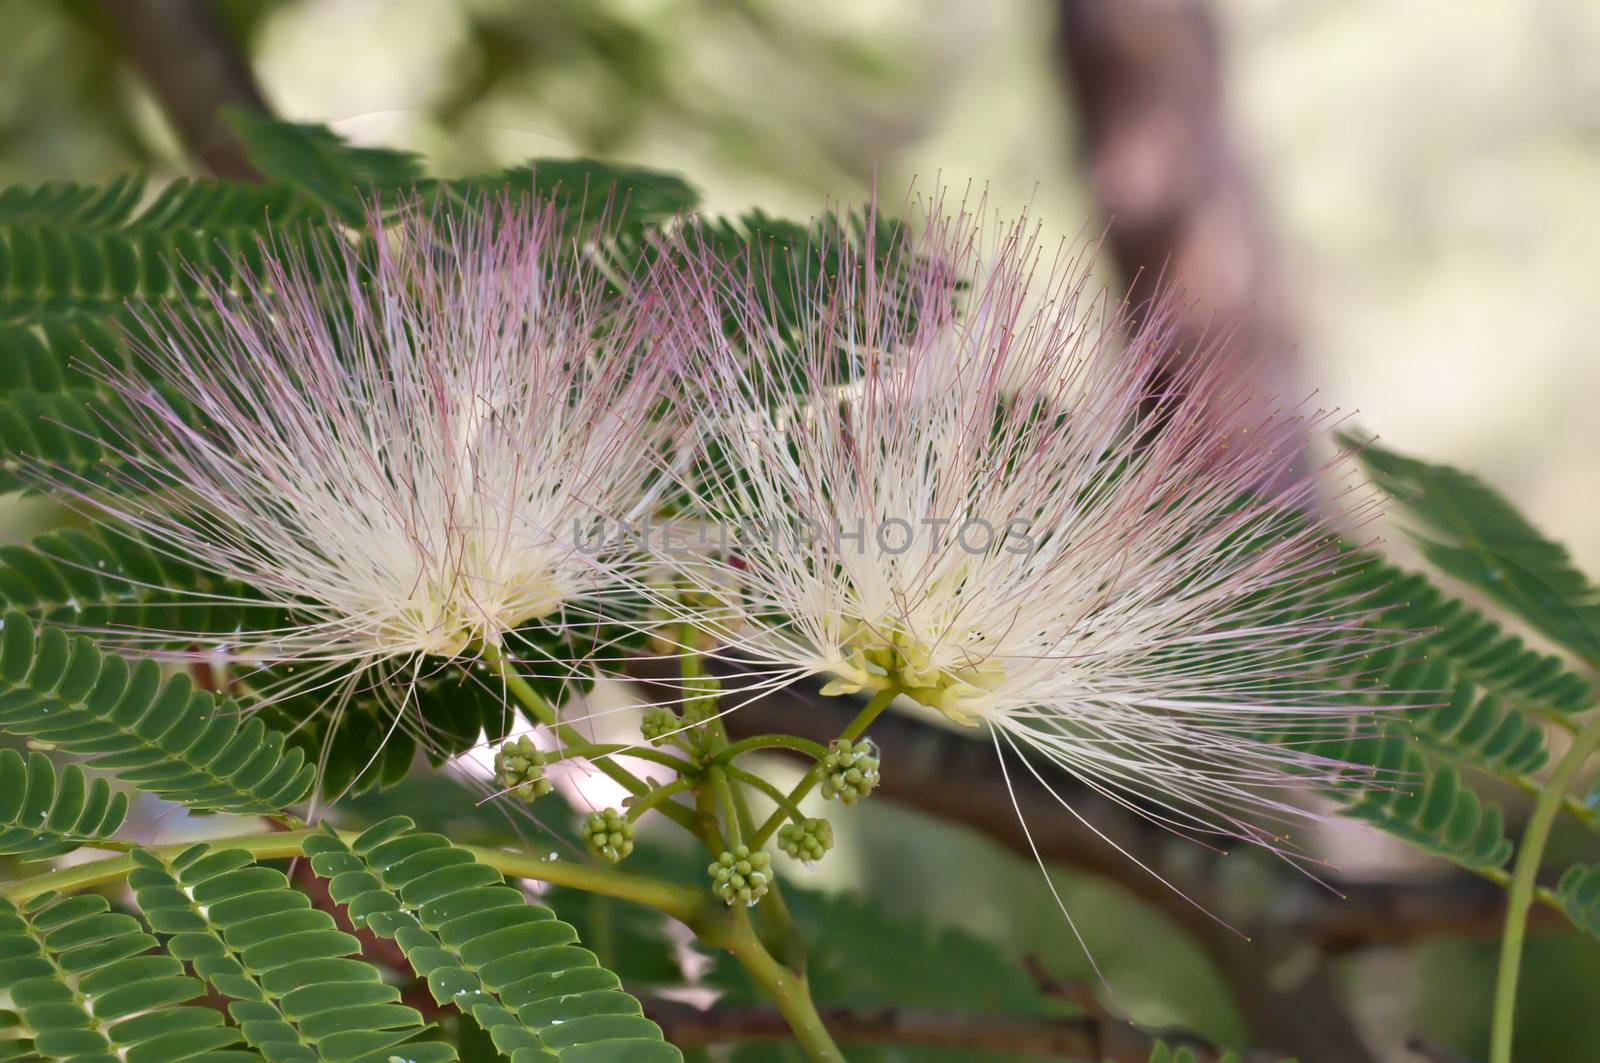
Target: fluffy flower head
976,481
401,444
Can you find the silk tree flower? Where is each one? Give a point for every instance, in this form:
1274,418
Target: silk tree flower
1004,499
397,446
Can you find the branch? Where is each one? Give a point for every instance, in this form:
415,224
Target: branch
1146,87
195,70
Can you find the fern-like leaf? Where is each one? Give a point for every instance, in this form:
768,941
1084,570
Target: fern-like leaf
1452,717
631,198
166,737
1453,631
43,815
108,579
294,989
85,984
1428,806
322,163
512,966
69,203
1472,532
1578,892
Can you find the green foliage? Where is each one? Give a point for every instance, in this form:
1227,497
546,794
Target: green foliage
1578,893
481,946
632,198
1470,531
66,202
316,160
60,429
1452,717
294,989
370,734
1473,645
53,356
1439,815
51,271
345,179
85,985
160,735
43,816
106,579
1393,785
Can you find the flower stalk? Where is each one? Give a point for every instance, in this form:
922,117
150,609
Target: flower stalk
1524,876
808,782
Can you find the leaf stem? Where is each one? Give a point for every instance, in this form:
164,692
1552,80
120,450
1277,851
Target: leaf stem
680,902
1524,877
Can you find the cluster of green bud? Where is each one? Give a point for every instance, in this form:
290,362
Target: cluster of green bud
850,770
741,875
658,725
519,769
807,840
608,834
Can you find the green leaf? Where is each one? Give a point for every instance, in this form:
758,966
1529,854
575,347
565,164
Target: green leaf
356,741
61,430
1578,891
1427,805
631,198
1452,717
58,270
481,946
294,990
320,161
69,203
59,954
1452,632
182,744
1470,531
43,816
106,579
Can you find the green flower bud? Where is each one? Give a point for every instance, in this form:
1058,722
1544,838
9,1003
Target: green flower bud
850,770
608,834
519,769
658,724
741,876
806,840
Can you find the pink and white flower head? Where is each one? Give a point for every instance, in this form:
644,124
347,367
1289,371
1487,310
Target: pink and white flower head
401,445
977,482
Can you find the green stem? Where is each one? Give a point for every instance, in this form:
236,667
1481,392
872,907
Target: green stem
787,988
780,798
717,779
659,794
1523,881
680,902
541,710
610,749
814,750
863,719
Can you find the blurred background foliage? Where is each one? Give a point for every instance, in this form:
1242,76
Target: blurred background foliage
1427,173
